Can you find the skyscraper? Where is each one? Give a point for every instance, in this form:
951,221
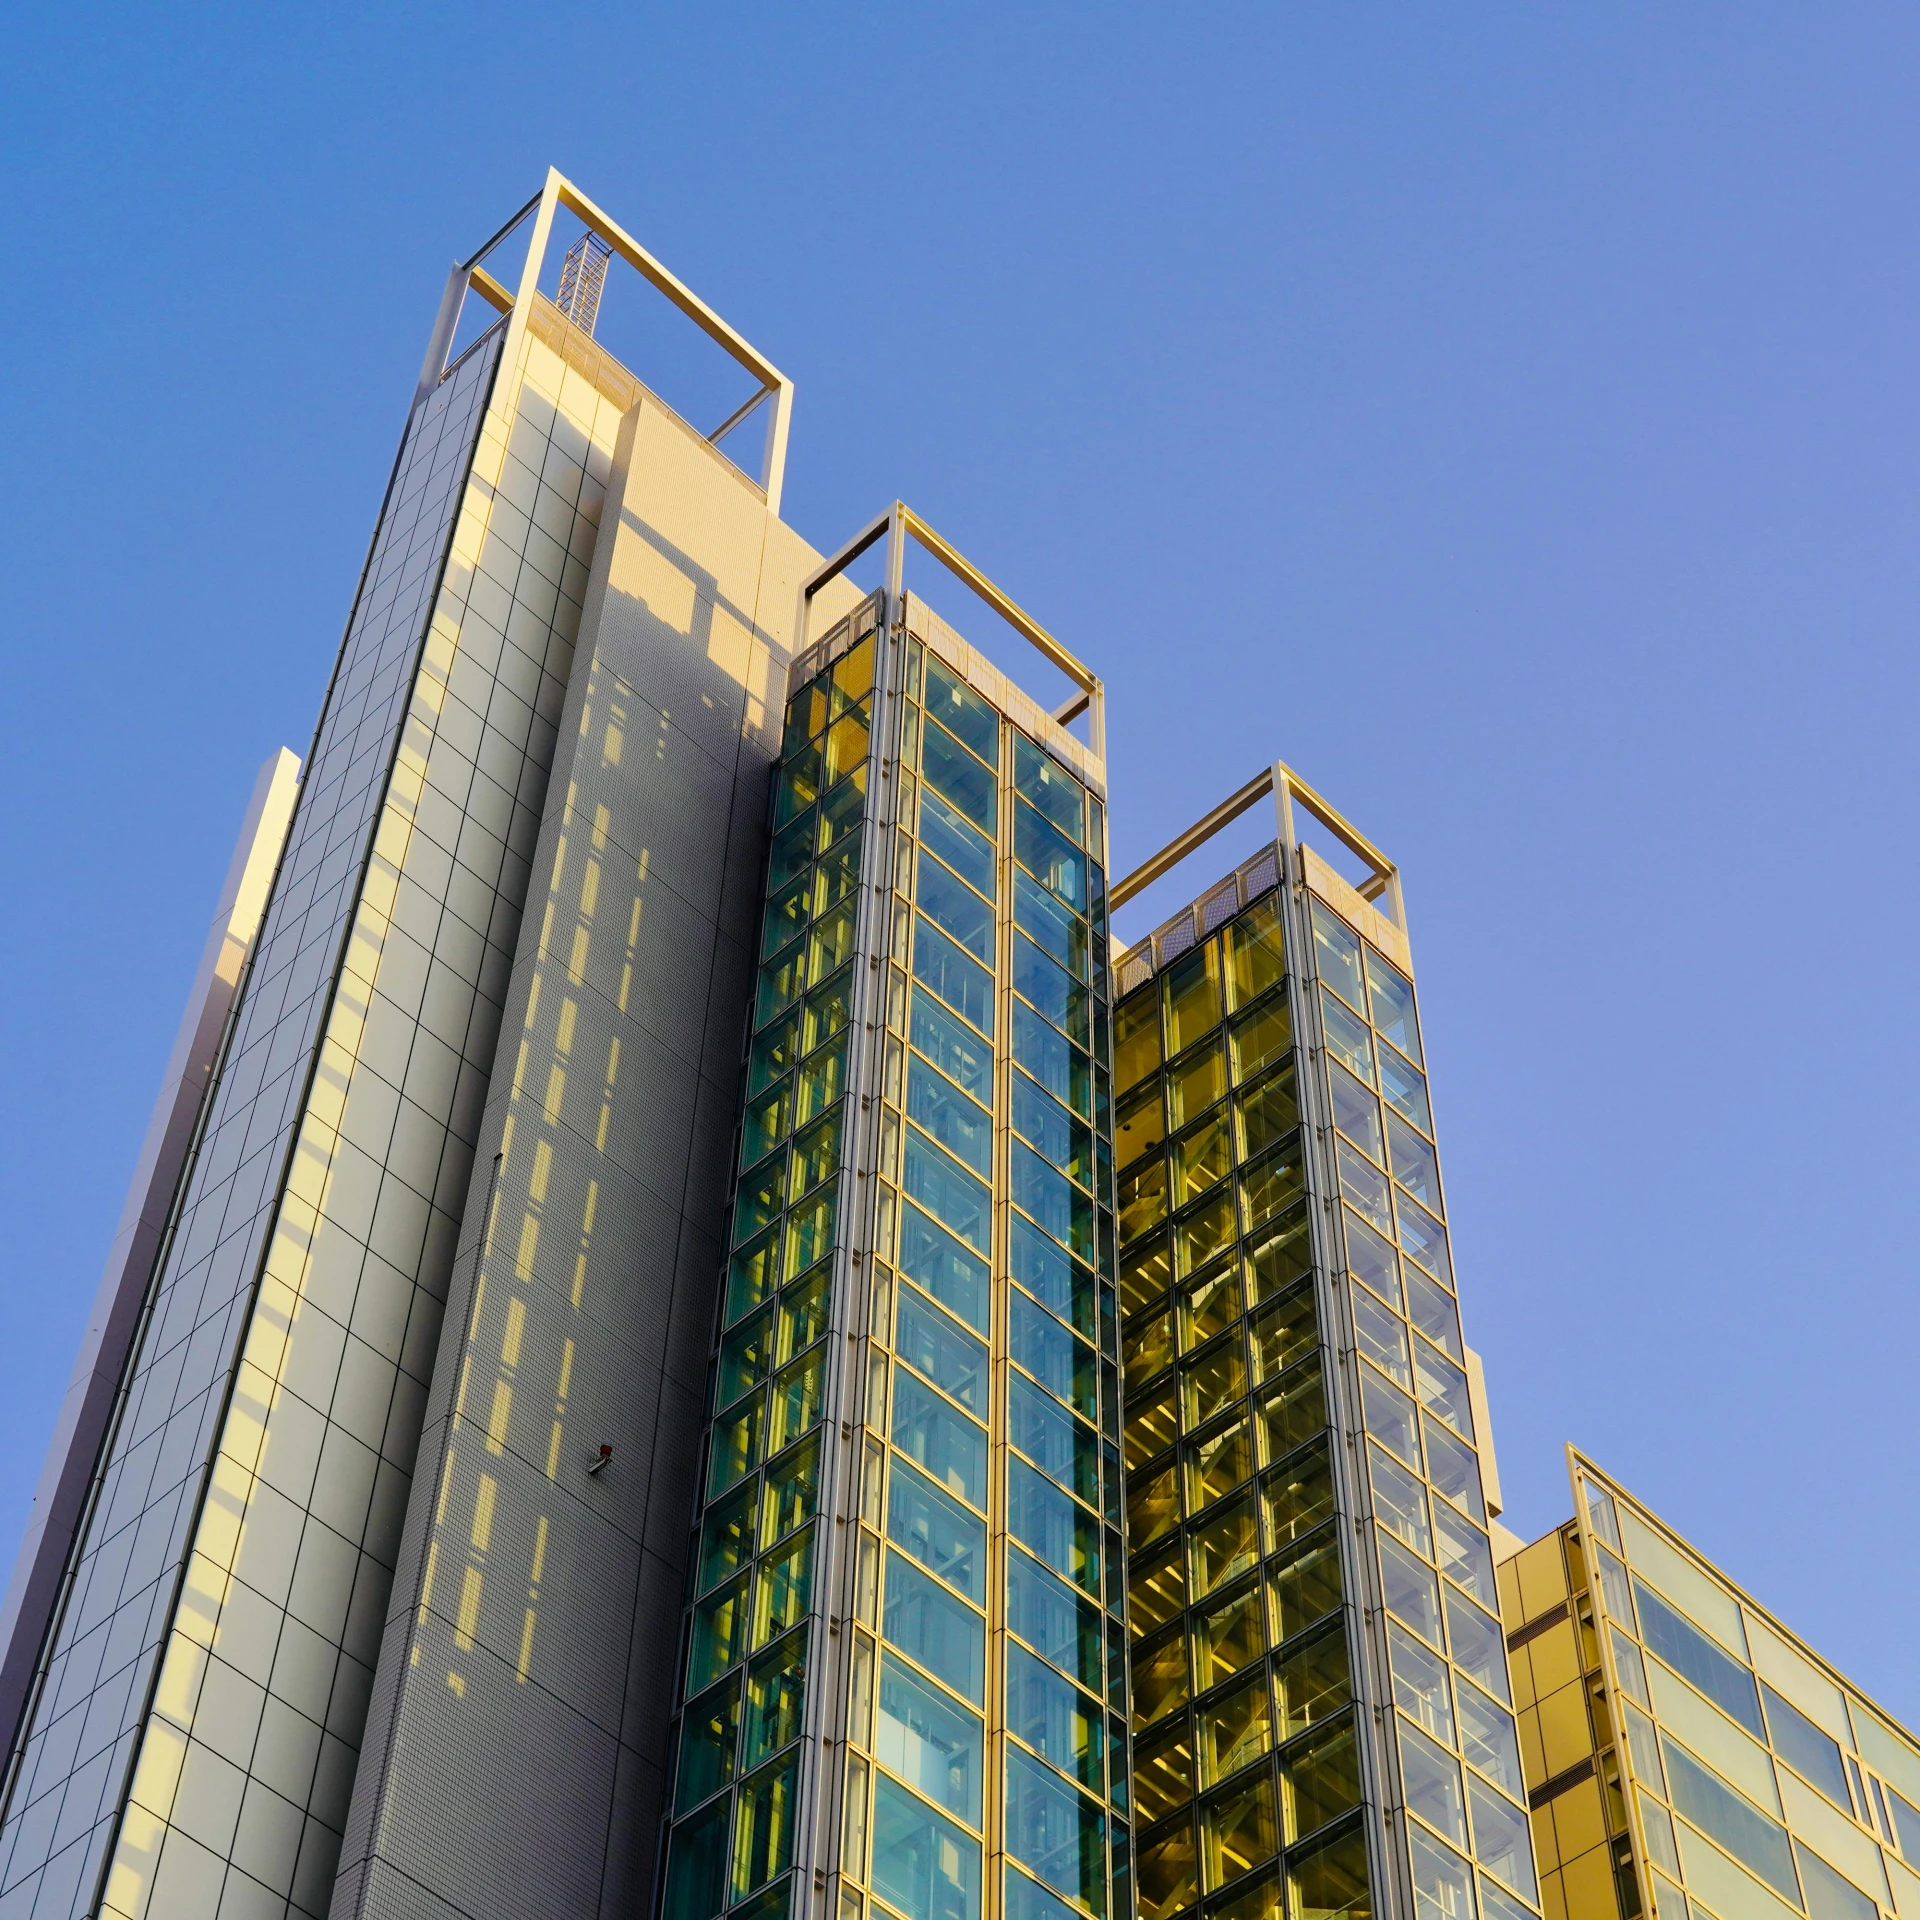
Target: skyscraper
1673,1732
710,1347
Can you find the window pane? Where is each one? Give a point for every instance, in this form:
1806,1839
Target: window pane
719,1634
933,1257
1062,1533
960,777
1336,956
1139,1126
1382,1337
957,841
1313,1683
959,980
1228,1637
1432,1781
1058,1721
1478,1649
1055,1621
953,1047
1049,856
1050,989
1226,1546
1167,1875
1235,1731
1202,1157
1321,1780
783,1590
1297,1497
1261,1036
697,1865
1364,1187
1405,1088
1371,1259
949,1357
1136,1036
1064,1365
1268,1112
1193,999
1390,1417
1061,1068
1488,1738
1057,1832
763,1825
1420,1686
1392,1008
1195,1083
793,1488
938,1531
1409,1589
1051,1199
1239,1831
1399,1501
947,1190
1430,1307
1453,1469
1163,1772
1042,1121
1424,1238
925,1621
930,1742
1355,1111
1042,779
1442,1884
1691,1653
1414,1164
956,909
951,1448
1306,1588
1256,950
1057,927
1045,1269
1331,1883
1806,1747
727,1538
706,1745
1293,1412
776,1695
1756,1841
1465,1556
1053,1439
922,1863
1348,1039
1284,1332
952,701
964,1128
1443,1388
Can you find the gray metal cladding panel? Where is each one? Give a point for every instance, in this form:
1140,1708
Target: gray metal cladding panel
526,1685
188,1342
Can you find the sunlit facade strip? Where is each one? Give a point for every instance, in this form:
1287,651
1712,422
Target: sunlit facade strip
1686,1754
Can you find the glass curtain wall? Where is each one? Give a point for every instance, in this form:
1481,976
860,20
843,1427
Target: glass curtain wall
973,1758
1686,1754
1242,1662
1252,1767
1457,1756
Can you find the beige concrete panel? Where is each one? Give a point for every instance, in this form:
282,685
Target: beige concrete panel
694,503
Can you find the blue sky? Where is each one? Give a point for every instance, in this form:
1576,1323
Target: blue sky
1505,414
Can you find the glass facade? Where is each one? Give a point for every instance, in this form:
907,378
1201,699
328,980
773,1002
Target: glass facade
1310,1559
1686,1755
910,1534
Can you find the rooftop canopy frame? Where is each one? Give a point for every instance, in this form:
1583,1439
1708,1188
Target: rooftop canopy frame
900,524
1289,791
471,276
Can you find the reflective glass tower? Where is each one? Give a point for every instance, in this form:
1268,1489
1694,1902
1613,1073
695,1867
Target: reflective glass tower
906,1676
1321,1704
